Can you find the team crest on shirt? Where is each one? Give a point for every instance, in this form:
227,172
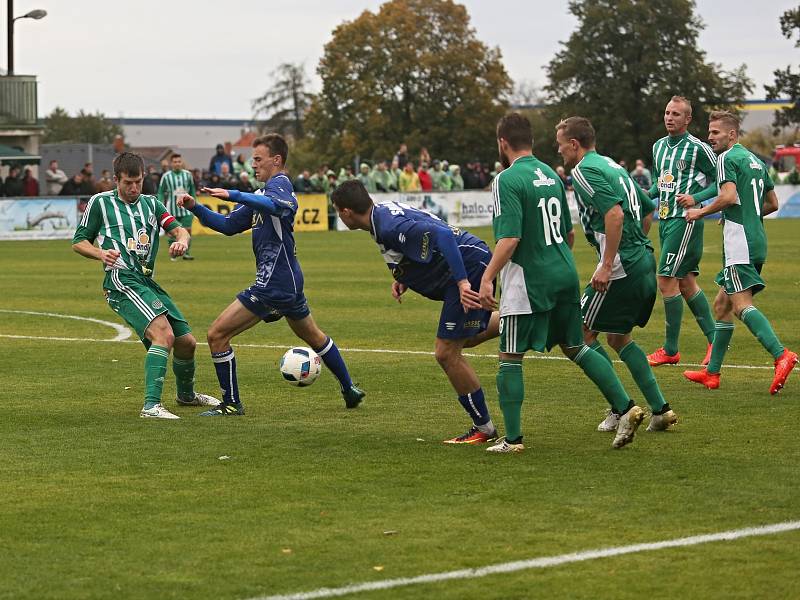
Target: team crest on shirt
542,179
151,220
681,164
666,182
140,245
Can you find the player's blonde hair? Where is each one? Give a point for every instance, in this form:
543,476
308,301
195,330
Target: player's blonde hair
727,118
685,101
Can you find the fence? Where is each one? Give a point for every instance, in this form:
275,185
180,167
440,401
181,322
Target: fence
57,217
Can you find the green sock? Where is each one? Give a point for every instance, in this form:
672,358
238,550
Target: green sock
511,391
184,376
155,367
636,361
701,310
603,376
673,314
598,347
759,326
723,332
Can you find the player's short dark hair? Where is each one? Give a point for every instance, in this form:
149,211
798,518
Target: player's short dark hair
580,129
176,155
276,145
128,163
728,118
353,195
516,130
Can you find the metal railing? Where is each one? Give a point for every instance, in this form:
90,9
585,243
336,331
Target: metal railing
18,103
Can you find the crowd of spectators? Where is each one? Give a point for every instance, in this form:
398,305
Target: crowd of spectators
234,171
401,174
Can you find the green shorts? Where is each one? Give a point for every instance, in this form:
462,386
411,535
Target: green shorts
738,278
681,247
542,330
626,303
185,221
139,300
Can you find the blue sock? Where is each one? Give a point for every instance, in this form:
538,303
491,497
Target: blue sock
476,408
329,354
225,365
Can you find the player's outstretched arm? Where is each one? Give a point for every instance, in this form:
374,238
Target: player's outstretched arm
230,224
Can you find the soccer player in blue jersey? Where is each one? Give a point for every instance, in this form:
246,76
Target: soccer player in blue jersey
278,289
424,254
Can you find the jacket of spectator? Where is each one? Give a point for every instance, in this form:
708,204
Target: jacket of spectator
302,184
455,175
425,178
401,157
73,187
241,164
366,179
440,179
29,183
13,183
319,181
408,180
55,178
641,175
220,158
471,178
383,179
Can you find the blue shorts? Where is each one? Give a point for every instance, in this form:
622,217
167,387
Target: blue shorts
456,324
271,307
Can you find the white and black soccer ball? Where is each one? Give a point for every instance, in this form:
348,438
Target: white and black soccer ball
301,366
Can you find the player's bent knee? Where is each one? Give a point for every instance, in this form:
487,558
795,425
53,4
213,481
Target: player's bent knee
186,344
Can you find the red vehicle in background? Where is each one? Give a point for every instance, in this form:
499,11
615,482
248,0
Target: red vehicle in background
786,158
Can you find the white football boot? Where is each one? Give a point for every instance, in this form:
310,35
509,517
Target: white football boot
157,412
199,400
610,423
502,446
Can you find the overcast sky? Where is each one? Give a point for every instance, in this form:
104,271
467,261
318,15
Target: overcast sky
210,58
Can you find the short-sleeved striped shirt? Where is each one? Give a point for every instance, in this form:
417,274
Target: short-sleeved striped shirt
173,184
681,165
132,229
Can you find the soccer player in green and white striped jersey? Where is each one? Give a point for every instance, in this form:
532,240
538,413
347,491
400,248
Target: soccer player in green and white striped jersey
684,169
746,195
174,184
125,224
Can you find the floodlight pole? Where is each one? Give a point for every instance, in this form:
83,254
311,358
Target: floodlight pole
34,14
10,37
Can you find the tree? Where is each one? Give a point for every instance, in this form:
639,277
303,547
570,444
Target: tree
415,72
85,128
625,60
285,103
525,94
787,82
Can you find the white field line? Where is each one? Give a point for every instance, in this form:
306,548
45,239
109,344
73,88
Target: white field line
532,356
538,563
123,333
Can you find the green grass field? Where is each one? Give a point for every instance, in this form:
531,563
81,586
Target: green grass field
96,502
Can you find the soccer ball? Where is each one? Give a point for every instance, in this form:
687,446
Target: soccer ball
301,366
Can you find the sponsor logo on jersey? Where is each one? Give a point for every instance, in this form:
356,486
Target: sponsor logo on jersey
754,164
140,245
258,220
426,245
472,325
666,182
542,179
402,238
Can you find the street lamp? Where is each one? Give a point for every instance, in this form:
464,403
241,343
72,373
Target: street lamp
34,14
